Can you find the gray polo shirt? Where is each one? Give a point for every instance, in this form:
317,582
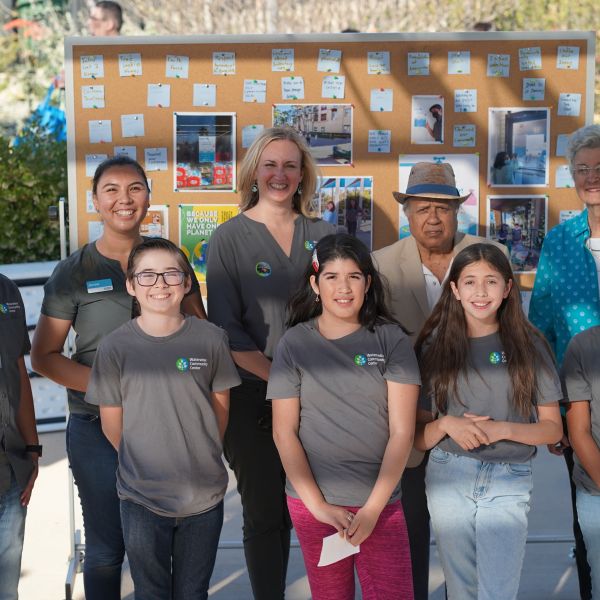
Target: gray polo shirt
581,377
170,453
89,290
485,389
250,279
342,386
14,343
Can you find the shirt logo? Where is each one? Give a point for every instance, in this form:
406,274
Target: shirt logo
182,364
4,309
497,357
310,245
9,308
191,364
263,269
360,360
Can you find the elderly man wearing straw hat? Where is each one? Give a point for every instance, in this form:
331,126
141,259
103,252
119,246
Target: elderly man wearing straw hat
416,268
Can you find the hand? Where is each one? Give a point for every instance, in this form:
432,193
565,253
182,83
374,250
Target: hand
559,449
495,430
362,525
465,431
333,515
26,493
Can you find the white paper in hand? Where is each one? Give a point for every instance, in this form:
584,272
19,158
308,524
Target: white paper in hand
336,548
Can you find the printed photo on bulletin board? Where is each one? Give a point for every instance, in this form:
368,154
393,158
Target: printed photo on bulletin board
466,172
204,148
347,202
156,222
518,147
327,129
427,120
197,223
519,223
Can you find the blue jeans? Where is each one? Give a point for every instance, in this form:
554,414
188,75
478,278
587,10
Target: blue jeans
12,531
479,519
94,464
588,511
171,558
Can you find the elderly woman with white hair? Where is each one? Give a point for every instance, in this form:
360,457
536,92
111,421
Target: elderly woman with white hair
566,296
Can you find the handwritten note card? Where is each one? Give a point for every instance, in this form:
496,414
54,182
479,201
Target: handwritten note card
177,66
530,59
418,63
92,67
378,63
329,61
92,96
250,133
155,159
255,90
459,63
464,136
292,88
282,59
129,151
223,63
380,140
533,88
465,101
569,105
92,161
333,86
205,94
564,178
130,64
498,65
567,57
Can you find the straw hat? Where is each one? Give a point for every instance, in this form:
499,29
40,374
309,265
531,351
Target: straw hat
431,181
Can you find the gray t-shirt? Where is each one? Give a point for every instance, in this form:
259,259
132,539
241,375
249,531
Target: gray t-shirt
170,453
88,289
485,389
581,377
14,343
343,402
250,279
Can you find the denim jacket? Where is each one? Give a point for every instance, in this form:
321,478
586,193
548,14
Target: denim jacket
565,299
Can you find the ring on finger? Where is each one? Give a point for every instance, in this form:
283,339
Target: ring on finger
349,516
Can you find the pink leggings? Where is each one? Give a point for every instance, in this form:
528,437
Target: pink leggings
383,563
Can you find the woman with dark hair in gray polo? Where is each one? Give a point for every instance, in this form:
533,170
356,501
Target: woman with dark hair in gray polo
254,261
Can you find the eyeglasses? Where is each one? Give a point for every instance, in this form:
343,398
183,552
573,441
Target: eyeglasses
149,278
585,172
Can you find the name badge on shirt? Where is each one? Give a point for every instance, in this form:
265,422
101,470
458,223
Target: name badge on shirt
99,285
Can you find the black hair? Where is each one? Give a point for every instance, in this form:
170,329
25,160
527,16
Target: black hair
501,159
438,106
118,161
302,306
114,9
156,244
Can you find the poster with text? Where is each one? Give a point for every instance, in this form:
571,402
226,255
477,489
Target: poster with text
197,223
347,202
204,146
466,172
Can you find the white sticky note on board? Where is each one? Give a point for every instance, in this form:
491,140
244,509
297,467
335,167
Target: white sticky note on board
92,161
567,57
465,100
329,61
562,140
333,86
378,63
380,140
534,88
92,67
282,59
177,66
205,94
255,90
132,125
95,229
159,95
530,59
464,136
223,63
418,63
100,131
129,151
565,215
250,133
130,64
92,96
459,63
564,179
498,65
382,100
292,88
89,202
155,159
569,105
336,548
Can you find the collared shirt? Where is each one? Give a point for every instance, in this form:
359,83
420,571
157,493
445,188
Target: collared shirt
433,287
565,299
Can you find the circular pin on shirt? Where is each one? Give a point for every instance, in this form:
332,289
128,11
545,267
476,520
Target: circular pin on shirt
263,269
360,360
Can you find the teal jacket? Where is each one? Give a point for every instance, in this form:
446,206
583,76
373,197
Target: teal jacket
565,299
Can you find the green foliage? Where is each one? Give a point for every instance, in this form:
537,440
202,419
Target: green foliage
33,176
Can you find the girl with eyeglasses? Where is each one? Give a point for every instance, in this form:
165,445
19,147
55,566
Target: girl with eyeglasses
87,292
162,383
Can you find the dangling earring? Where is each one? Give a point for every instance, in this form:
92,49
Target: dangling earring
254,187
299,190
317,299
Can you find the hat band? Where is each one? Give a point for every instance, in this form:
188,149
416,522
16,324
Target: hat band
432,188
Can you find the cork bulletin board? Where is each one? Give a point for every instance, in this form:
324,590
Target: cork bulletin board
497,106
